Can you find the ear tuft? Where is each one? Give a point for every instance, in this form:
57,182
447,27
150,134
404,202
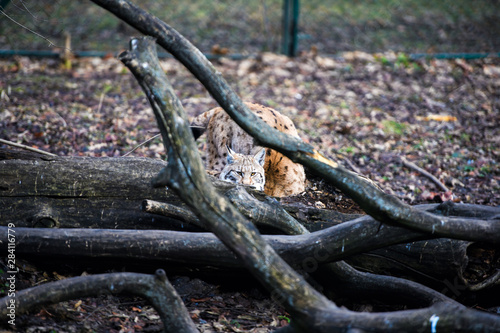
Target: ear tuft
260,157
230,155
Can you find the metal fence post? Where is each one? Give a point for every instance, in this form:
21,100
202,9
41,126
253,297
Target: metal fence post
290,27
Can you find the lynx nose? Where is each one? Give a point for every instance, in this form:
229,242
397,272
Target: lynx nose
246,180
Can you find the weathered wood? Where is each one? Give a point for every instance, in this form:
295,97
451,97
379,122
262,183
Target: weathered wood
49,201
308,307
80,192
186,175
431,262
108,193
371,199
78,177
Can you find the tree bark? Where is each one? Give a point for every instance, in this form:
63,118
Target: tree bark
39,191
184,173
79,192
75,192
431,262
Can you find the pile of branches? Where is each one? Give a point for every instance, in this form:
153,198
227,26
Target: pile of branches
273,260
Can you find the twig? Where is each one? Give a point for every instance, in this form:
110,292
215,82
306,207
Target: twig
29,11
141,144
25,27
100,103
352,165
173,211
415,167
18,145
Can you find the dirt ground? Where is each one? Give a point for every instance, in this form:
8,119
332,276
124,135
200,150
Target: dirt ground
372,113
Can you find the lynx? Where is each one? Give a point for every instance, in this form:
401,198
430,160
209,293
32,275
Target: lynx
233,155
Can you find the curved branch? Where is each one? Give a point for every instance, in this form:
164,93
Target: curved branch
260,213
334,243
155,288
493,280
376,203
441,317
353,282
18,145
425,173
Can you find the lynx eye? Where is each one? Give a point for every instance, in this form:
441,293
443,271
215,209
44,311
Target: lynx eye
239,173
253,174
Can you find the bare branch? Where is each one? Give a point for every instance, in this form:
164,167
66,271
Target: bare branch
18,145
28,29
155,288
141,144
415,167
185,174
23,3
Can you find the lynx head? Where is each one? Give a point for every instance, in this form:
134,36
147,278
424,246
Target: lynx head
245,169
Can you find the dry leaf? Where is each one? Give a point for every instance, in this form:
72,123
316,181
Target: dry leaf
437,117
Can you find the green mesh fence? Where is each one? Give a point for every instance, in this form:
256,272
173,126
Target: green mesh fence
244,27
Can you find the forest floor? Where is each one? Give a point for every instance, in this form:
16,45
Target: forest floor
371,113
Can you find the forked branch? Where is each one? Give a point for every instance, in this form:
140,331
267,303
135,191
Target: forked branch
310,309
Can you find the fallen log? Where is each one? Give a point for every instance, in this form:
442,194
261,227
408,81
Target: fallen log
103,193
79,192
431,262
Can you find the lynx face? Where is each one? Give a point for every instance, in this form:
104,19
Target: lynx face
245,169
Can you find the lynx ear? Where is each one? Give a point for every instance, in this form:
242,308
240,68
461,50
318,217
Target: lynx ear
230,155
260,157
